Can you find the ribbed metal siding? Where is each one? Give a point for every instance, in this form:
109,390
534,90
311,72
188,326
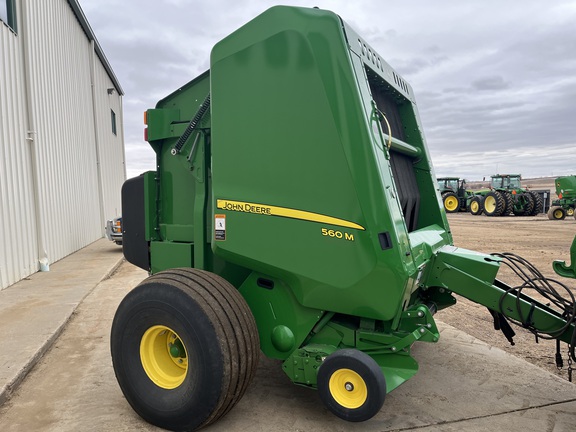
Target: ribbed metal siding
72,140
59,61
110,146
18,248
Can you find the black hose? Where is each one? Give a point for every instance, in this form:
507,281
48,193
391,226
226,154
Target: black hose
532,278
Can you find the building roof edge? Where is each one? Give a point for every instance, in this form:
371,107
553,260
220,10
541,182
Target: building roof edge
98,49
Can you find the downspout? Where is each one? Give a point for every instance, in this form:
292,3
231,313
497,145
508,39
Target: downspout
96,141
32,136
122,134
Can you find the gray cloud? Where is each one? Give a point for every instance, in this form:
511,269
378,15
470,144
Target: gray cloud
495,91
490,83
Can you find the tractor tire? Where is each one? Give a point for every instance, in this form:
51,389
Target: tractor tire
538,203
519,212
494,204
451,202
529,204
509,200
184,348
476,205
556,213
524,204
351,385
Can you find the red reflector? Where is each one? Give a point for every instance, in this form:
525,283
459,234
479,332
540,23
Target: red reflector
513,192
145,134
560,195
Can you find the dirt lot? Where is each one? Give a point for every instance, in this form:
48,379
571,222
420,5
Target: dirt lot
537,239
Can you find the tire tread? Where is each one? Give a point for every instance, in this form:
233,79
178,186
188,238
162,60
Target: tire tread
234,319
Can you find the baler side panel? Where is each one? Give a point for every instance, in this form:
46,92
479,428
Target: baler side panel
284,129
566,187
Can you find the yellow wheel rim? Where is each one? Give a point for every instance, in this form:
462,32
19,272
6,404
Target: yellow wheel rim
570,212
558,214
348,388
451,203
474,206
490,204
164,357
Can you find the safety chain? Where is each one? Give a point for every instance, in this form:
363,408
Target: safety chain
569,363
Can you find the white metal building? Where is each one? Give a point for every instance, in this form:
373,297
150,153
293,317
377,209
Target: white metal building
61,135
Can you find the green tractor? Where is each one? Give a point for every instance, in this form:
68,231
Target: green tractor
294,211
455,196
564,205
506,196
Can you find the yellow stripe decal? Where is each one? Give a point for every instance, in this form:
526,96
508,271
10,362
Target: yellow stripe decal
268,210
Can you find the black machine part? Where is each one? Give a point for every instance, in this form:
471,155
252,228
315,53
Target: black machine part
135,246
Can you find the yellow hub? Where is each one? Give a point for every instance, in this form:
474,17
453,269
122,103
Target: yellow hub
164,357
558,214
490,204
451,203
570,212
348,388
474,206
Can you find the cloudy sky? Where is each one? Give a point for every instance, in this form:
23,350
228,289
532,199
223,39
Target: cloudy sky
495,81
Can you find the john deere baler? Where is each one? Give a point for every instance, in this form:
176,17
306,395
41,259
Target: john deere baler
294,210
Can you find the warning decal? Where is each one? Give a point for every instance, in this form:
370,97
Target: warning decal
220,227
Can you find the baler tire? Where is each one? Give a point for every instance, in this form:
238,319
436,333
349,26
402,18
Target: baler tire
216,331
476,205
570,211
451,202
556,213
350,367
494,204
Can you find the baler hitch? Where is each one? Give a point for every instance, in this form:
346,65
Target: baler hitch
468,274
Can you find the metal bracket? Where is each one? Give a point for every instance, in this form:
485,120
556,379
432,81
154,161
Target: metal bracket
302,365
562,268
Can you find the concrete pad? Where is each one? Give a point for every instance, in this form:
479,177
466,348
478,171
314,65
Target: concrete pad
463,385
34,311
557,418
